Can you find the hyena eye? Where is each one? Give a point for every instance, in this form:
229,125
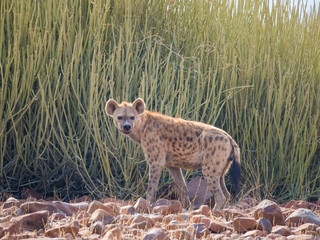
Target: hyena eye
132,117
119,118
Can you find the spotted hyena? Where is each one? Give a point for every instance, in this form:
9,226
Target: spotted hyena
178,144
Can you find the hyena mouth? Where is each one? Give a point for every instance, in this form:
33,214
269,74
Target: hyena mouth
126,131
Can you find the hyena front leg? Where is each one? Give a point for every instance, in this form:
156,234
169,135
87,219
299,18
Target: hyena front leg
155,170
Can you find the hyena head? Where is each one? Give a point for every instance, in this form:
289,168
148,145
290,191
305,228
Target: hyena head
126,116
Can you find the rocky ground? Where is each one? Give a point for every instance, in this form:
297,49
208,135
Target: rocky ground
33,218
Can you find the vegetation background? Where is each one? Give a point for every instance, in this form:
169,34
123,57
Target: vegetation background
244,66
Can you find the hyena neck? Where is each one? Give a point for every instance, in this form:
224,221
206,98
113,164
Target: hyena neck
137,134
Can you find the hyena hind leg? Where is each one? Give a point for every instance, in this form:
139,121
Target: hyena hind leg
178,179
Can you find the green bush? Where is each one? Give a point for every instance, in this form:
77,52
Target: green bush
240,65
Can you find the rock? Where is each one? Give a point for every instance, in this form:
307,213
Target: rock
175,207
142,206
294,204
32,221
102,216
72,228
271,211
301,216
139,218
27,193
11,201
301,237
31,207
70,208
243,224
182,234
230,214
13,211
161,202
167,219
201,219
125,210
114,233
173,225
276,236
318,231
184,216
97,227
57,216
9,228
110,208
199,230
264,225
5,219
254,234
83,218
282,230
307,227
163,210
198,191
218,227
156,234
204,210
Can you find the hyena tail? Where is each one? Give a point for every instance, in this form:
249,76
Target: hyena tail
235,167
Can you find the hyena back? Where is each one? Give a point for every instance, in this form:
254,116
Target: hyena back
178,144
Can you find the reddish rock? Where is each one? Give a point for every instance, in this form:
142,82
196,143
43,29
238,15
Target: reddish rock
255,234
81,199
307,227
218,227
163,210
102,216
244,224
301,237
97,227
294,204
110,208
13,211
204,210
282,230
198,191
271,211
32,221
201,219
142,206
125,210
72,228
199,230
57,216
114,233
139,218
9,228
276,236
264,225
182,234
161,202
11,201
167,219
27,193
31,207
175,207
71,208
173,225
301,216
156,234
230,214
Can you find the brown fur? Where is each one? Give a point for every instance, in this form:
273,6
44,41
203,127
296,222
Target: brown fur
177,144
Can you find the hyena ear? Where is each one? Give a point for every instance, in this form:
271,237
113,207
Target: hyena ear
111,106
139,105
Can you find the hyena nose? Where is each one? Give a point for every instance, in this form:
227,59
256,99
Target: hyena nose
127,127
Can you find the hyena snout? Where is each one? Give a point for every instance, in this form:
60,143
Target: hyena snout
127,127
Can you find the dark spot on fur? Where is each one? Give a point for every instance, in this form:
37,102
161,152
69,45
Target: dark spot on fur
219,147
210,139
226,140
214,170
198,134
218,162
170,139
185,134
207,155
221,138
217,138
